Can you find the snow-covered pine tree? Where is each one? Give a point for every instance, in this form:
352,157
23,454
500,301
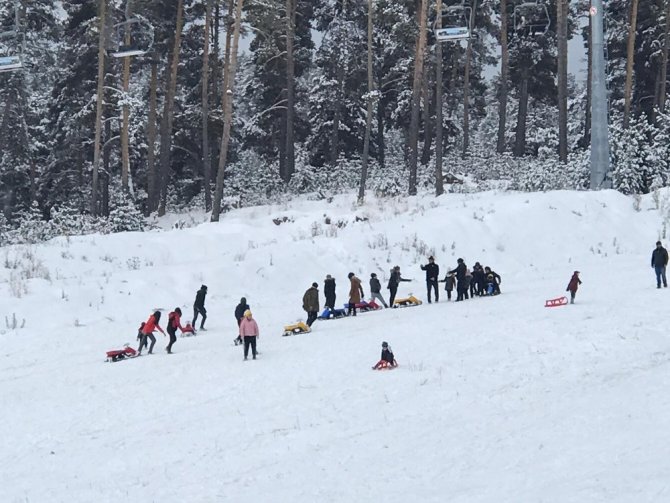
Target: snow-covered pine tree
124,215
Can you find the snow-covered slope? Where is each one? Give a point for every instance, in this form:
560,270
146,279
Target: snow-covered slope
496,399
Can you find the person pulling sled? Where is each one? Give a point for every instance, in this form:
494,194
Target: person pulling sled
174,323
148,332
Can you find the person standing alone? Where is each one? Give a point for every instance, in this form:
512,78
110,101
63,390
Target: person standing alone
249,333
199,307
573,285
432,273
659,261
310,303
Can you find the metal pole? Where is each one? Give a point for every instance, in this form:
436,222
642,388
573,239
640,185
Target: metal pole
600,151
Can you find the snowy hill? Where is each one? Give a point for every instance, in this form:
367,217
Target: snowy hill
496,399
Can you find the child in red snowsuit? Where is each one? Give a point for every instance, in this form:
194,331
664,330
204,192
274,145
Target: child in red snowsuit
573,285
387,360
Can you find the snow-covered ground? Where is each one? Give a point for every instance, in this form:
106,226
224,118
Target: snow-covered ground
495,400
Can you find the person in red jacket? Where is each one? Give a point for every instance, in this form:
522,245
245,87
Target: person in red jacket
147,332
174,323
573,285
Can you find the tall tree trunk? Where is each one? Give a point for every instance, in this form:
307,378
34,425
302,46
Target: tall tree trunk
520,141
586,139
664,56
206,161
381,144
106,169
152,188
102,8
168,110
562,34
368,116
125,143
215,54
230,67
630,57
439,182
416,96
466,85
504,79
337,106
290,88
427,93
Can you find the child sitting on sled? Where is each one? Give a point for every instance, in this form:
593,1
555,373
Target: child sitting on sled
387,360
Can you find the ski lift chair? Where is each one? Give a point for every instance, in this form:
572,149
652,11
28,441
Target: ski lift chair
531,19
141,34
455,23
11,51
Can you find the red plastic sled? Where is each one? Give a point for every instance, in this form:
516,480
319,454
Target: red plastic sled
116,355
384,365
188,330
560,301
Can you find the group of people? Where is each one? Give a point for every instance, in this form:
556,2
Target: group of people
146,331
478,282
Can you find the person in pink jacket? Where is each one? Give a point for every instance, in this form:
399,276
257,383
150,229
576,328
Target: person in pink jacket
249,333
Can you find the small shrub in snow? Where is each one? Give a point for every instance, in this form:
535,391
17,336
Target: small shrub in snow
17,287
133,263
13,323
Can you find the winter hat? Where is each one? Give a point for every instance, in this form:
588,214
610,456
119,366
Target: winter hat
576,272
315,285
385,344
243,300
328,276
460,261
396,268
203,287
350,275
431,258
247,313
658,243
373,275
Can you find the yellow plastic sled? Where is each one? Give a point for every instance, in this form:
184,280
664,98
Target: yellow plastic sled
407,302
297,328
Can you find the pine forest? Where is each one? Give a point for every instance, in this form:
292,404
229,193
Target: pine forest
114,111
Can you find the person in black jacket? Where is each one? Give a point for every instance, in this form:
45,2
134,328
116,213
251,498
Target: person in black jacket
199,307
432,275
387,358
329,291
659,261
394,281
478,283
376,289
239,314
460,271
